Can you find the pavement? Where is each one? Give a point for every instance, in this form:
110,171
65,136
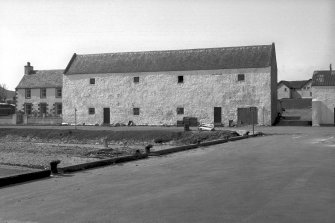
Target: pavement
284,177
7,170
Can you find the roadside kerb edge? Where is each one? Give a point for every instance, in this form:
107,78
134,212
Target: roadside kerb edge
21,178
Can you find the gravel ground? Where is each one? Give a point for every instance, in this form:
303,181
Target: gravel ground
37,152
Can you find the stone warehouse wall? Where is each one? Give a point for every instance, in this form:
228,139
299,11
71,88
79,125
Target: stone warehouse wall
158,94
323,104
35,99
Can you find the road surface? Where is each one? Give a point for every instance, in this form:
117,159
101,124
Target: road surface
279,178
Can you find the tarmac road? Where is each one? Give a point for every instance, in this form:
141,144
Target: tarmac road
278,178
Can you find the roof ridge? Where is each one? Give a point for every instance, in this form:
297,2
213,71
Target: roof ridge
165,51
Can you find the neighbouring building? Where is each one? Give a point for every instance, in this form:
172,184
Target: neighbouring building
323,103
294,89
39,93
215,85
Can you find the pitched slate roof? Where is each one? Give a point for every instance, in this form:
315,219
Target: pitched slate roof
172,60
42,78
323,78
294,84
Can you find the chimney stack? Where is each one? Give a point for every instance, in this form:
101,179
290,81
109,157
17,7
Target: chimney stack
28,69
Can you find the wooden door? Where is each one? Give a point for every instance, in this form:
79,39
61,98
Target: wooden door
217,115
106,116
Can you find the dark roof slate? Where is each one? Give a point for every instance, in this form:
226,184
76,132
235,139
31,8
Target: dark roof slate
172,60
294,84
323,78
42,78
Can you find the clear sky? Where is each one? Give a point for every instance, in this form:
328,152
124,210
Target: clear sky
48,32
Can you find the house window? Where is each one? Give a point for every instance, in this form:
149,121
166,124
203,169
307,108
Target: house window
180,111
180,79
43,108
136,79
43,93
58,92
240,77
92,80
310,93
285,89
58,109
136,111
27,109
28,93
91,111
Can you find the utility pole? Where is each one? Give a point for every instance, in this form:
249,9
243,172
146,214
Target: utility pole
75,118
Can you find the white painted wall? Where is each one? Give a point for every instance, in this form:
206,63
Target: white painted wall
35,99
325,98
282,93
158,95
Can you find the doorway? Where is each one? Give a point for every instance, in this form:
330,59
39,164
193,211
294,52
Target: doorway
106,116
217,116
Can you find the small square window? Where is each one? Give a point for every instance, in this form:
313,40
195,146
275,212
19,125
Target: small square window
136,79
180,111
180,79
28,93
91,111
240,77
92,80
43,92
58,92
136,111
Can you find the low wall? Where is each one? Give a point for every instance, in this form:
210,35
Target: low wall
8,120
42,120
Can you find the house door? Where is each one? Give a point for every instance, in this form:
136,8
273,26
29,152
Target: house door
247,116
217,115
106,116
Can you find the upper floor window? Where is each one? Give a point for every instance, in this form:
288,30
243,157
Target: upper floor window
240,77
285,89
58,92
28,93
43,93
136,111
92,80
180,79
180,111
91,111
136,79
310,94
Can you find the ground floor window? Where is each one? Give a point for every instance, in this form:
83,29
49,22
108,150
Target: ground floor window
27,109
180,111
58,109
136,111
91,111
43,109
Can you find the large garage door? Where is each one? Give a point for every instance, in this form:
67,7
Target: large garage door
247,116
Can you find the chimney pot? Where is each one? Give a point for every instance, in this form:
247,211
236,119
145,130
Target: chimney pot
28,69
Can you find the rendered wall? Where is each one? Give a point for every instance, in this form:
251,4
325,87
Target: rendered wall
282,93
306,91
35,99
325,95
158,95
